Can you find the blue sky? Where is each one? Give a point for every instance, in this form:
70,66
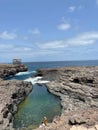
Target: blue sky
48,30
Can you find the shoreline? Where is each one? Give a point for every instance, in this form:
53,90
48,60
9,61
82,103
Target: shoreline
12,92
7,70
77,88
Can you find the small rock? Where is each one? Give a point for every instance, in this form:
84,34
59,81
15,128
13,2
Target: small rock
76,120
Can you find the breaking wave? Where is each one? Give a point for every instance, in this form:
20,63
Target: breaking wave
25,73
36,80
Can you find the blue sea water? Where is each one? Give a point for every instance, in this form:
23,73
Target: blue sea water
33,66
40,102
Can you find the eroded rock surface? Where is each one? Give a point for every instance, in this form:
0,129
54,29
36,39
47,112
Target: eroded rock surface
7,70
12,92
77,88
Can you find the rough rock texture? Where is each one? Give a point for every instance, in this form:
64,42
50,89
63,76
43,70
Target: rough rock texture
77,88
12,92
7,70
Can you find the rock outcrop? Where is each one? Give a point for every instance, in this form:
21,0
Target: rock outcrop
12,92
77,88
7,70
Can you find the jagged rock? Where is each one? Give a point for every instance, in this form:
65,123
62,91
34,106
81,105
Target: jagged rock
7,70
79,85
77,88
7,90
11,94
76,121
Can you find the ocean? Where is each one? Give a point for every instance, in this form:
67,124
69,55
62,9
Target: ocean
33,66
40,102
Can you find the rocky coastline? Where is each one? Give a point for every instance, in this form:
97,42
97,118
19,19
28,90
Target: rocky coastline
77,88
7,70
12,92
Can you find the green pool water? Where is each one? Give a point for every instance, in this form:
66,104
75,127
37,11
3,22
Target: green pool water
32,110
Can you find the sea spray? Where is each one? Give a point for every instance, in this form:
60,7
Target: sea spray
36,80
25,73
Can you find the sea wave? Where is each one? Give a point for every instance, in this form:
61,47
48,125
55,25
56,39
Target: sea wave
36,80
25,73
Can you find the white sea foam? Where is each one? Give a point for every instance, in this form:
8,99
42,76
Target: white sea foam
25,73
36,80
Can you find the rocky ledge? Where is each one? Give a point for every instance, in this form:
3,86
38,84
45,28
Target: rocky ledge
12,92
7,70
77,88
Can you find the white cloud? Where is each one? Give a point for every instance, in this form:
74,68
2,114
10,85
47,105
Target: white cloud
13,48
84,39
74,8
49,48
7,36
46,52
36,31
71,8
22,49
51,44
64,26
27,49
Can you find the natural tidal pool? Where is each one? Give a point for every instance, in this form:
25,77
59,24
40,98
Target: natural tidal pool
38,104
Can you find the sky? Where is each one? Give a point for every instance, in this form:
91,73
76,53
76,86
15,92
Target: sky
48,30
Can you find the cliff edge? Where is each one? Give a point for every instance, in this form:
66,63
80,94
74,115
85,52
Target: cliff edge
77,88
7,70
12,92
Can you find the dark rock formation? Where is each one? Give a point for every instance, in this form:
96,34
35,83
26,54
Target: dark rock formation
78,89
